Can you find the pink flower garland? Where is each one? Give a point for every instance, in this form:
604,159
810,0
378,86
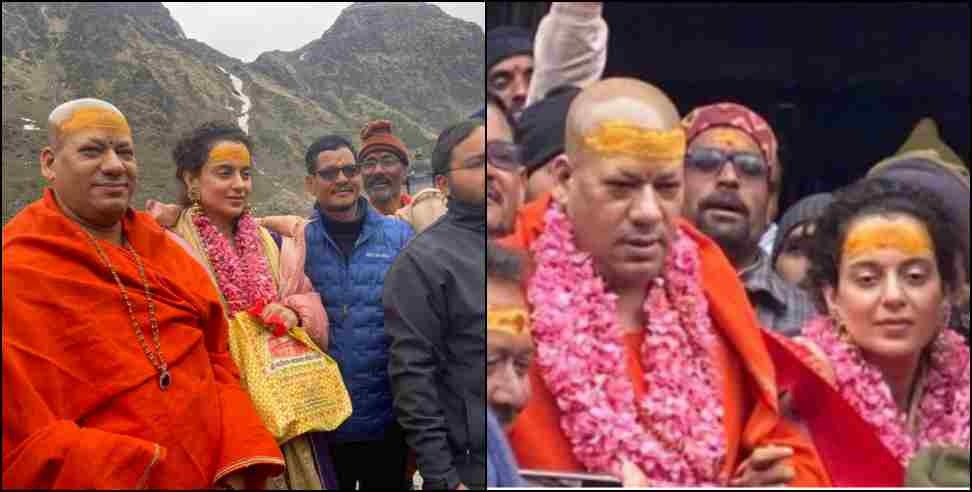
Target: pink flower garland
943,413
676,434
243,275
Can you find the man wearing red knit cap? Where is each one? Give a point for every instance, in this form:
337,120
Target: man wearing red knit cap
384,159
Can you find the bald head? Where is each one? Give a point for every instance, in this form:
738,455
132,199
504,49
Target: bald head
84,114
90,164
620,183
630,102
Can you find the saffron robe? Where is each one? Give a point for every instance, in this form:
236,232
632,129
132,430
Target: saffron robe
840,434
82,407
752,414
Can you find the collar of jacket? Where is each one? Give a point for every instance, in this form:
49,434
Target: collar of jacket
467,216
368,226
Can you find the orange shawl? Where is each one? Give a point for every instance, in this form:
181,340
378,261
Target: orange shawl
841,435
752,415
82,407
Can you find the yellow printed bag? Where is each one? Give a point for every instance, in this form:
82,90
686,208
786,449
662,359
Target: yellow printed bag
295,387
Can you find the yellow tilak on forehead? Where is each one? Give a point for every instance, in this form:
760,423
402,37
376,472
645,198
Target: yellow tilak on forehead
877,233
88,118
515,321
620,138
730,137
229,152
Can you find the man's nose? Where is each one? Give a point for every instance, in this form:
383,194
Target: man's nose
727,176
492,172
646,210
112,165
341,178
520,88
511,389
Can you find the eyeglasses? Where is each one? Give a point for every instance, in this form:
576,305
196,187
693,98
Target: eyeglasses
388,163
713,161
330,174
504,155
477,162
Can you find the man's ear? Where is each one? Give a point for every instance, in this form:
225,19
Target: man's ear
47,164
442,183
773,207
562,170
309,186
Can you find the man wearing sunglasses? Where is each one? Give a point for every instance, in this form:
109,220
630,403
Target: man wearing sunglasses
505,174
732,183
436,322
349,248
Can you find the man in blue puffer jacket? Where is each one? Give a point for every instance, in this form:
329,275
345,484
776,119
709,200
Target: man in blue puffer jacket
350,247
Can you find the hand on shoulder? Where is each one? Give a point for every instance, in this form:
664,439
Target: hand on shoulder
285,225
166,214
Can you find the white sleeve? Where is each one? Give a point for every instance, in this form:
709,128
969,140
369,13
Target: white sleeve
570,48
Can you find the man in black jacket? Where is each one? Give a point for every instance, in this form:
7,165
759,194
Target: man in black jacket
435,317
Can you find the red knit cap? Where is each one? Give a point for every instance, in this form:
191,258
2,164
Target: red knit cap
377,136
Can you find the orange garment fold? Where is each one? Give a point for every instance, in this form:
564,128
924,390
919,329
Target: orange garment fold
752,415
82,407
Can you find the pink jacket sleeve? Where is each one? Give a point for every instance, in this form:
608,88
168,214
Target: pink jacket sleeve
297,291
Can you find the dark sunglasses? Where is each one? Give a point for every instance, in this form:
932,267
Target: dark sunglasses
712,161
330,174
504,155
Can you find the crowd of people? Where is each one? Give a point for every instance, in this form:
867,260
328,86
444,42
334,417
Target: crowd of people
194,345
655,319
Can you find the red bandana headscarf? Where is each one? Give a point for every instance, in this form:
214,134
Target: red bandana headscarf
733,116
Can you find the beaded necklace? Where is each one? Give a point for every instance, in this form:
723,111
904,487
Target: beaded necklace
155,357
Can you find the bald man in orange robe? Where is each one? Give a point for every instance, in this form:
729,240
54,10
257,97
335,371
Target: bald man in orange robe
630,182
96,396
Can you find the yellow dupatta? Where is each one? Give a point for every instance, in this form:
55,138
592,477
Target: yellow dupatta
295,387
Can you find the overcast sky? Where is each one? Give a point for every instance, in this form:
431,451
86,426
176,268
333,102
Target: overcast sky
244,30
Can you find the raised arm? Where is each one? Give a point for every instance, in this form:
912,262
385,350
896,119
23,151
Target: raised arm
570,48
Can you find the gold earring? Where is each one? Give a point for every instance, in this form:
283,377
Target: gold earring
194,197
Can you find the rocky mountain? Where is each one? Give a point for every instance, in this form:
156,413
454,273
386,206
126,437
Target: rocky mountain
407,62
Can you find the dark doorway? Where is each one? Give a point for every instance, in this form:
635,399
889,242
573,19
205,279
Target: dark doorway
842,84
